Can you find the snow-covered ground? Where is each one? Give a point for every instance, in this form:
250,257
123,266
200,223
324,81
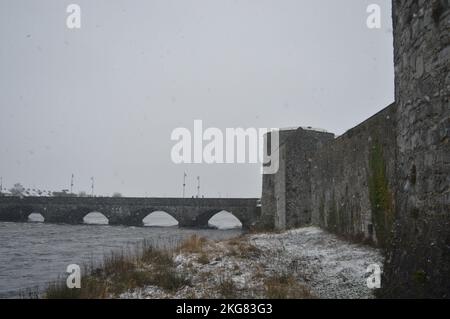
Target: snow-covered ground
331,267
28,192
326,265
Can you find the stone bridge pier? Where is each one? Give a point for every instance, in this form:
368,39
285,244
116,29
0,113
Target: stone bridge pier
189,212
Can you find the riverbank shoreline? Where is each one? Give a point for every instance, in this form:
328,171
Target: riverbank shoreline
34,254
302,263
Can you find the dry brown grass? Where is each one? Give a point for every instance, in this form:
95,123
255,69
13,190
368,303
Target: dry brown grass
241,248
285,286
151,255
91,289
258,273
226,288
263,229
116,263
203,258
119,273
193,244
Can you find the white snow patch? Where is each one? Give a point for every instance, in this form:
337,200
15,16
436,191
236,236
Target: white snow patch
333,268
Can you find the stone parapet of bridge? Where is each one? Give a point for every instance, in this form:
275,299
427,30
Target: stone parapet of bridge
189,212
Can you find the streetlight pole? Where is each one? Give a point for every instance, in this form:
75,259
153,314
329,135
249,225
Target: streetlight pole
184,184
92,186
198,186
71,184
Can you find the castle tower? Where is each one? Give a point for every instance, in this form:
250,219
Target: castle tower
286,195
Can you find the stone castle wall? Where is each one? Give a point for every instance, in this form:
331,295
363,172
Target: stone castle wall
388,179
352,180
418,262
286,194
328,182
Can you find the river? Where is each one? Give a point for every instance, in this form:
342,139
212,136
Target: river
33,254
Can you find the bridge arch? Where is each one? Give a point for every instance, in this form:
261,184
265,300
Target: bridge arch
95,218
219,219
36,217
160,218
224,220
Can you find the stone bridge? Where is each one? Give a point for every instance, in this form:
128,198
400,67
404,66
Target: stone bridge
189,212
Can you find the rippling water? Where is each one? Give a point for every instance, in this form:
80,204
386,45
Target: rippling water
32,254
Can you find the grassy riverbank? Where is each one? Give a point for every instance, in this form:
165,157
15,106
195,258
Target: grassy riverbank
121,271
303,263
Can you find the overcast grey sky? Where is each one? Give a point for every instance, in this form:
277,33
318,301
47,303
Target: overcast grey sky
103,100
